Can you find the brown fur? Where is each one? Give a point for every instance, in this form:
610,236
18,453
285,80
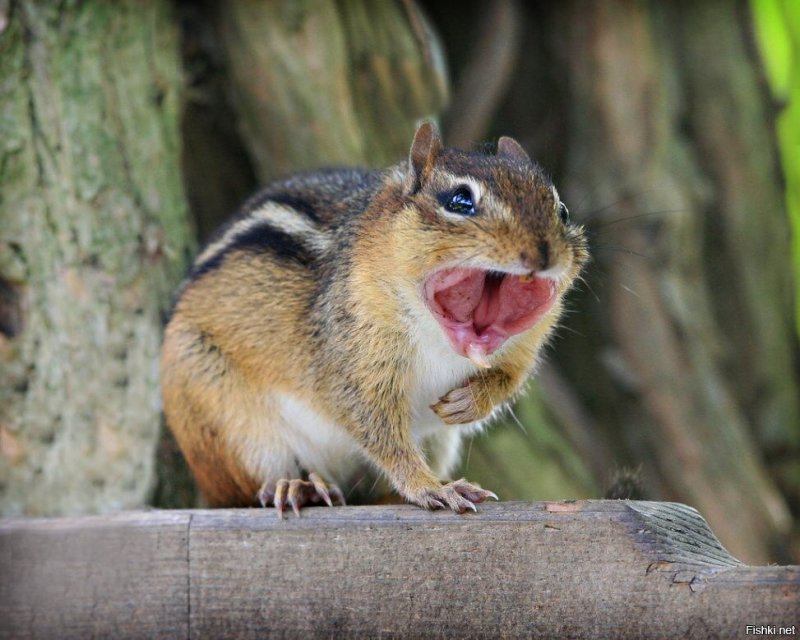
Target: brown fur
325,319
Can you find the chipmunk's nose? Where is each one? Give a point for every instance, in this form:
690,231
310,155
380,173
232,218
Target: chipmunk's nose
540,261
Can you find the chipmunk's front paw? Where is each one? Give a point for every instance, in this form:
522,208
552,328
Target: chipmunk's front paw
459,496
297,493
463,405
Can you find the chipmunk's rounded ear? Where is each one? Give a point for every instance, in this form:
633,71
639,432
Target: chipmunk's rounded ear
424,150
510,148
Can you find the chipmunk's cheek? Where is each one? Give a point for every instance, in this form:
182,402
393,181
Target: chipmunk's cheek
479,310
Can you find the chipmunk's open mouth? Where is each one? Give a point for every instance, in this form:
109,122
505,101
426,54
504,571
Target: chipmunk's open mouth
479,310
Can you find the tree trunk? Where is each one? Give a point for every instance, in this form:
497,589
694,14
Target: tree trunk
330,83
668,126
93,240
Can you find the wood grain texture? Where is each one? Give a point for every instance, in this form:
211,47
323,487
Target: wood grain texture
568,569
122,576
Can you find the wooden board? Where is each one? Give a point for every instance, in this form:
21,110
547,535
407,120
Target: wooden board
101,576
584,569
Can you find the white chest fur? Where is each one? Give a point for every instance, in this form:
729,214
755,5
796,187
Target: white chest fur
437,370
316,443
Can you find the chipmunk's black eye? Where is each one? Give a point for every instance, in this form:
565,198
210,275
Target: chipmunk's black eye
460,201
563,213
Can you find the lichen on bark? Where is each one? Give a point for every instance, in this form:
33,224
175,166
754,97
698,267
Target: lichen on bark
93,239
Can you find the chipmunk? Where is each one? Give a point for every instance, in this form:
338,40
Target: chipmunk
347,318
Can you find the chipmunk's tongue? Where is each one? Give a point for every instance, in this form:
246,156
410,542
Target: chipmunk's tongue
479,310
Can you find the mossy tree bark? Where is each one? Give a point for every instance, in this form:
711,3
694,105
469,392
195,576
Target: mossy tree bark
93,239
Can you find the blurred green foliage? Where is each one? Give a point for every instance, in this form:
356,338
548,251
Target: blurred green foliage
777,25
526,457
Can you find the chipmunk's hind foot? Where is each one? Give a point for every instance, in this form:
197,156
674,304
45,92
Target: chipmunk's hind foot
298,493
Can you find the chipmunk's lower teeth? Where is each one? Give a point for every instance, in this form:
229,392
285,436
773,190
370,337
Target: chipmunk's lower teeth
478,356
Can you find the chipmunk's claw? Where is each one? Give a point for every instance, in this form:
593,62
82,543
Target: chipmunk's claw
459,496
266,494
462,405
337,494
281,488
473,492
321,488
297,493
